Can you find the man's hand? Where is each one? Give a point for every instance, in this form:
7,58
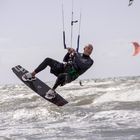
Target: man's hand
71,50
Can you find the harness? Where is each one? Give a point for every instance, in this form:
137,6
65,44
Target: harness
72,72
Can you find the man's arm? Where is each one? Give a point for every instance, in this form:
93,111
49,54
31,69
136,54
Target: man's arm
68,55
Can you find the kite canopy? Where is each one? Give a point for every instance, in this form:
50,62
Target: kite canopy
136,48
130,2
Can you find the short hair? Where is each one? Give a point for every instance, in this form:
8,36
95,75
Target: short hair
90,45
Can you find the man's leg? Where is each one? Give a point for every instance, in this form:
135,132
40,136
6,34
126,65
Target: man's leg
61,80
47,62
54,65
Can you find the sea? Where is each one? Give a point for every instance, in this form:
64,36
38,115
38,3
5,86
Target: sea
99,109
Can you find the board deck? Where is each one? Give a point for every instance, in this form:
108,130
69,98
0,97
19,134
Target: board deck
38,86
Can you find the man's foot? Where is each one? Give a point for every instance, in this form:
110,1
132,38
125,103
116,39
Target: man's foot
28,77
50,94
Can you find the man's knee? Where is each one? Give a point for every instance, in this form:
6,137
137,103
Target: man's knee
47,59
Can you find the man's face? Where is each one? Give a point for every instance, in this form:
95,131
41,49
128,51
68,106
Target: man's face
88,50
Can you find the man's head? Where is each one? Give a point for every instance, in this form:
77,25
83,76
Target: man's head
88,49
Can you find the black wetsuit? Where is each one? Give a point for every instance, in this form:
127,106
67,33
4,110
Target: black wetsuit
66,72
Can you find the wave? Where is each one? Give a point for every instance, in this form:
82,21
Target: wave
100,106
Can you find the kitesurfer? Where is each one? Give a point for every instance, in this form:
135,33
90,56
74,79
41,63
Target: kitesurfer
75,64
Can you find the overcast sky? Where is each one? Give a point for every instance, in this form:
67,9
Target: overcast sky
31,30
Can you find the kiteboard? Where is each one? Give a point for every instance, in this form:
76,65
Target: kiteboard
38,86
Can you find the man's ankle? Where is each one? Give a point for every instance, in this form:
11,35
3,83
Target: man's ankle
33,73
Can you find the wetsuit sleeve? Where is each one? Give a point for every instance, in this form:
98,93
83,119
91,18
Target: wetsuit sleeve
66,57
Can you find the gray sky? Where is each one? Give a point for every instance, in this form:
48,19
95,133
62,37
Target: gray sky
31,30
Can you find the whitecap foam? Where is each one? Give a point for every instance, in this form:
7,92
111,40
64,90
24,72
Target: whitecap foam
118,118
129,96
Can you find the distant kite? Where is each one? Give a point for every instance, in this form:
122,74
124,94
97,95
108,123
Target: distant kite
130,2
136,48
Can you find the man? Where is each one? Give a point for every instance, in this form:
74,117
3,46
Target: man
75,64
